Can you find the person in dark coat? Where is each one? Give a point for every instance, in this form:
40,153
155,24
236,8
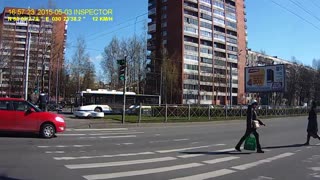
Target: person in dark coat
312,129
251,115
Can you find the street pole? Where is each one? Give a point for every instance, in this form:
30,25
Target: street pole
230,84
27,68
57,81
124,91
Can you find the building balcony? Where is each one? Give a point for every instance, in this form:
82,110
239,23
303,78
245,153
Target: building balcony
152,12
152,27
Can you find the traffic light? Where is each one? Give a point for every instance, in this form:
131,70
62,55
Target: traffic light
122,69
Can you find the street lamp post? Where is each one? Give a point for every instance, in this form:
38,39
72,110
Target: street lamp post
27,69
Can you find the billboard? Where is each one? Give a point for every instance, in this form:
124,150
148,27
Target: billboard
265,78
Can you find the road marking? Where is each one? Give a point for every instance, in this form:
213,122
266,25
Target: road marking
115,133
54,152
180,139
118,163
72,134
157,134
208,175
111,137
102,156
124,144
263,178
253,164
315,168
224,159
183,149
196,155
141,172
297,150
63,146
106,129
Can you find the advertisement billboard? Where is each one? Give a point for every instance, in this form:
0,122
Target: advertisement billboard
265,78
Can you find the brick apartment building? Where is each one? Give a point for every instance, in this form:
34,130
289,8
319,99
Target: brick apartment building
46,53
203,39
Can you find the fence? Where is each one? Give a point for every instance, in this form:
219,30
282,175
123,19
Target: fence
185,113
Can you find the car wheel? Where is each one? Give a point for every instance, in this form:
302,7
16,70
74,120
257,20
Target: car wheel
97,109
47,131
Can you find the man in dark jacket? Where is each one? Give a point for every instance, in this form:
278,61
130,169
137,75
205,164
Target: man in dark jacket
251,115
312,129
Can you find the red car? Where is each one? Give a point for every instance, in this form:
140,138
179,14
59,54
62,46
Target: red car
22,116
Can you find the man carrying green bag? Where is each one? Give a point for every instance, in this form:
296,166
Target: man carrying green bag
252,124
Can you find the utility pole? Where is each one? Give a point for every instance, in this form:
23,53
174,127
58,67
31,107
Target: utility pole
27,69
230,84
57,80
122,77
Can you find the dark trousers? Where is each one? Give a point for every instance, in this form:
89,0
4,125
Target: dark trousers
314,135
247,134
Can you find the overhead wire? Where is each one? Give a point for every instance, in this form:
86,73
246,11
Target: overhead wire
302,18
304,9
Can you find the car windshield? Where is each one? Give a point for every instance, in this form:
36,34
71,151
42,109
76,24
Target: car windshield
34,107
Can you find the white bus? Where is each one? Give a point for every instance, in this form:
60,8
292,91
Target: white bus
99,100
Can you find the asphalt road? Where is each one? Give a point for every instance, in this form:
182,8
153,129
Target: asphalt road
187,151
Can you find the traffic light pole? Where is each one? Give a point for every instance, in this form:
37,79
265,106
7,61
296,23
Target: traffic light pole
124,91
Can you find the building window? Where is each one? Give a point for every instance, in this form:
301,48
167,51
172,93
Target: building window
232,40
191,67
164,33
231,16
206,16
205,25
206,1
232,56
164,24
190,29
231,24
163,16
191,21
191,57
218,12
206,69
206,33
220,37
206,50
232,48
219,63
190,48
217,20
219,4
206,60
206,8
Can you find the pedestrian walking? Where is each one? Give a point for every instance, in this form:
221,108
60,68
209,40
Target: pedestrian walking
312,130
251,128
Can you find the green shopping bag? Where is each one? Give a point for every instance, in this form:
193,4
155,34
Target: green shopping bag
250,143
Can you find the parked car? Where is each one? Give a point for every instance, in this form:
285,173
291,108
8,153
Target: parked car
18,115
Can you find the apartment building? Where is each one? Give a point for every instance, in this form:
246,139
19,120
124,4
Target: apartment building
46,52
206,41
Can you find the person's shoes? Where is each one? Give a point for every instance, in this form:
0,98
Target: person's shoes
238,149
306,144
260,151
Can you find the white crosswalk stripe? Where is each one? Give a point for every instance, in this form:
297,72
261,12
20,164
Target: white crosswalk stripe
152,162
141,172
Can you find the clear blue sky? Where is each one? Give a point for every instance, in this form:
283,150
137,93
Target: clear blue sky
270,27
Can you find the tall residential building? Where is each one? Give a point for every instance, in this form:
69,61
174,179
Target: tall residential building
47,35
206,42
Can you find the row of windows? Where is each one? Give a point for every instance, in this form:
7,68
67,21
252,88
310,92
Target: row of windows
190,48
190,29
232,40
191,57
196,77
191,67
232,48
194,96
190,86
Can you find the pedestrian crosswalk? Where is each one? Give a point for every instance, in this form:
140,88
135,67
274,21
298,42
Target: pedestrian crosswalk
184,161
